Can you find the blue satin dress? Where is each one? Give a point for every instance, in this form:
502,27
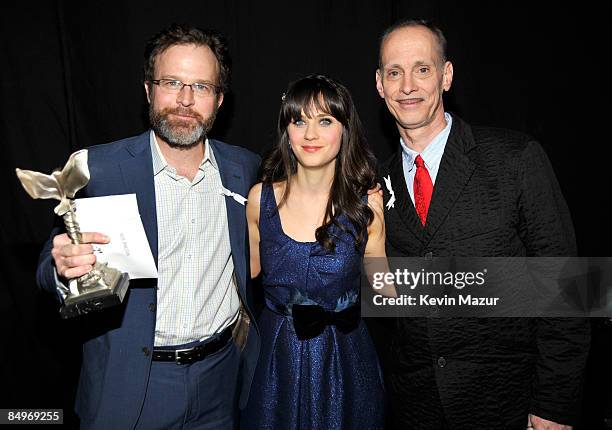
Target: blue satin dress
330,381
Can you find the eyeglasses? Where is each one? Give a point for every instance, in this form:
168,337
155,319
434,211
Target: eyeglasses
173,86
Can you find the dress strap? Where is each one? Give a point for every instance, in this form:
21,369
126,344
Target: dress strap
268,211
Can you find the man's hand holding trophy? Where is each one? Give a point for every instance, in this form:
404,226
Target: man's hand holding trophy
92,285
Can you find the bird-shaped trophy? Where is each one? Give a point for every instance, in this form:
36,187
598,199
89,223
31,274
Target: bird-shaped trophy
101,287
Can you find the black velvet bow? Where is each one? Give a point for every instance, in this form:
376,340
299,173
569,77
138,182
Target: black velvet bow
310,320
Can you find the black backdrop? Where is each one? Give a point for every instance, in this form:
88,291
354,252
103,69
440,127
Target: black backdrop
71,77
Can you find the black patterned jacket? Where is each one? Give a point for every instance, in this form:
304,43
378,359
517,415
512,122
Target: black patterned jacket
495,195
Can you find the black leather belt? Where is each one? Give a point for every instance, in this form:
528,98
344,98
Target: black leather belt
196,353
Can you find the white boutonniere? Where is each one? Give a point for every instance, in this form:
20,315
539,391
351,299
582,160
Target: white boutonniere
233,195
391,201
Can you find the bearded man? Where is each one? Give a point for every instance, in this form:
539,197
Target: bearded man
166,357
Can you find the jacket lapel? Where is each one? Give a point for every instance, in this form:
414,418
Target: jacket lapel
232,178
403,203
137,172
454,173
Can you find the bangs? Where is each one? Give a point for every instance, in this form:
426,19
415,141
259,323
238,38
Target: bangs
309,100
308,104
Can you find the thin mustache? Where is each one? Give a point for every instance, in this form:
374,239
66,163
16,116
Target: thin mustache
405,99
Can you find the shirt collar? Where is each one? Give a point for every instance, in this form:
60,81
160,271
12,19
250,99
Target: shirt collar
432,152
160,163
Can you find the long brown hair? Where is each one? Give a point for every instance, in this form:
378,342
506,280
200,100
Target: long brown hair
354,172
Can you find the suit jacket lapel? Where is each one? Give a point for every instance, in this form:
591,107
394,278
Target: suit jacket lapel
454,173
232,178
403,203
137,172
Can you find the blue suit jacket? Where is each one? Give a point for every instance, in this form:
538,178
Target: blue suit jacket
117,354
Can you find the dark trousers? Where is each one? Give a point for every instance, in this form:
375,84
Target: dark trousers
202,395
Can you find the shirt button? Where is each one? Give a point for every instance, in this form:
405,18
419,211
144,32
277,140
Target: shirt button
193,220
441,361
146,351
189,257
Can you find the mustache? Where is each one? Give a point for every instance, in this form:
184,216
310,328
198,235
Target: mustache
181,111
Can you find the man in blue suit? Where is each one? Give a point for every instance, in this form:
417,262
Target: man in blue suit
180,351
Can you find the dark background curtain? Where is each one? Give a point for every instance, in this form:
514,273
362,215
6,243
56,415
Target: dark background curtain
71,77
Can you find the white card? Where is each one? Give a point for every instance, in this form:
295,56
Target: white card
118,218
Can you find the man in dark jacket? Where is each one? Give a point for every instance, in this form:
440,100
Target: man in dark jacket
471,192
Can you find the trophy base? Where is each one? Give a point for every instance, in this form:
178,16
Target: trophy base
95,299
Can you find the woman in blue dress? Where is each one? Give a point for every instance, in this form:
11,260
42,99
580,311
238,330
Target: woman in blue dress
310,223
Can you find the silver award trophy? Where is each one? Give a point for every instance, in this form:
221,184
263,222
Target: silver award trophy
103,286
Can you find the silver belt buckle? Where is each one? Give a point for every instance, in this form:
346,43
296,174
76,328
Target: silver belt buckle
177,359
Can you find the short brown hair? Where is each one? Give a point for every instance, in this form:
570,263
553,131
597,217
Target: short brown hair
181,34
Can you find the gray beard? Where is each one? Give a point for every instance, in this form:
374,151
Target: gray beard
180,134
